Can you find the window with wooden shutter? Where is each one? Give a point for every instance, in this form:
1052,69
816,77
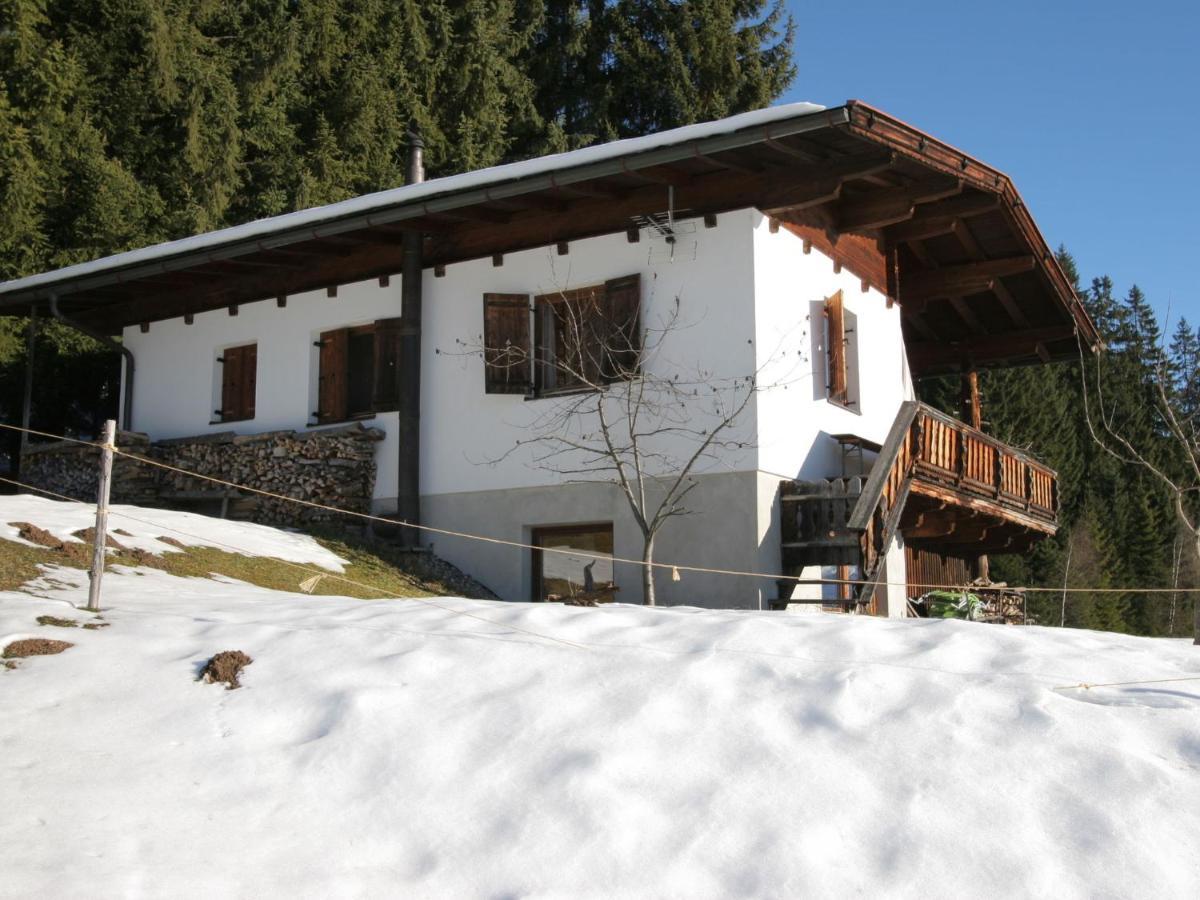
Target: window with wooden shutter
332,381
239,375
623,299
507,353
388,334
359,371
837,374
588,336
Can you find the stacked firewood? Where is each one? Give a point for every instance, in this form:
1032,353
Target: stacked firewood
1001,603
333,467
73,470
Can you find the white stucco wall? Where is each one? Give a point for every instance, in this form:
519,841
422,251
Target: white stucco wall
745,298
463,428
795,420
176,384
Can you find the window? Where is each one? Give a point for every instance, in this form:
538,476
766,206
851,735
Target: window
359,371
578,565
582,337
841,385
239,377
506,350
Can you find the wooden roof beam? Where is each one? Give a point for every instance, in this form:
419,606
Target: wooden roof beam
887,207
967,239
239,265
725,163
960,280
659,175
985,349
967,315
821,185
916,230
477,214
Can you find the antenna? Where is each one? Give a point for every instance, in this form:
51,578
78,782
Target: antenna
664,230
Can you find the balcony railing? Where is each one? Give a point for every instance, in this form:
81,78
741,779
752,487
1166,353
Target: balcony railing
952,453
853,521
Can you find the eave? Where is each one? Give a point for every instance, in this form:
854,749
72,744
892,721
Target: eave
930,210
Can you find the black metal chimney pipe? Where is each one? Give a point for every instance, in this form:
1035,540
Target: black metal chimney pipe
408,494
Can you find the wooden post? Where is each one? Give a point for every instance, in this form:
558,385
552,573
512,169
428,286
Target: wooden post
27,397
972,414
101,537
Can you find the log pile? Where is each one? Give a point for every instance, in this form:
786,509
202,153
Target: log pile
73,469
335,467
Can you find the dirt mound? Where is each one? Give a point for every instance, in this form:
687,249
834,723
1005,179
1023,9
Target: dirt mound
34,647
225,667
88,536
27,531
79,553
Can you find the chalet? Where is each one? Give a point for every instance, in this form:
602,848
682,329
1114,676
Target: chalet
864,251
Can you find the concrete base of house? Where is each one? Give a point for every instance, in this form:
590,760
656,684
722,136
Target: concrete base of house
732,524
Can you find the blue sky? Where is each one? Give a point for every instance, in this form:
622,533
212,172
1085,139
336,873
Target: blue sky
1091,108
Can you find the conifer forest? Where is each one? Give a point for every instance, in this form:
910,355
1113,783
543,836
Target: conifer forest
129,122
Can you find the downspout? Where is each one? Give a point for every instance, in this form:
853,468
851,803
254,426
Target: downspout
127,402
408,493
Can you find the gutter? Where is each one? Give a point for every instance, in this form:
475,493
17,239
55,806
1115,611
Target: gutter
813,121
127,380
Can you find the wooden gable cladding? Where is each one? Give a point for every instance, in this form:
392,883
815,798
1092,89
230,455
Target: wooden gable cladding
864,255
507,352
239,383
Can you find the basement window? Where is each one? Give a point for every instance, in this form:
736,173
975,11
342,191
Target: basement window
358,371
238,369
573,562
578,340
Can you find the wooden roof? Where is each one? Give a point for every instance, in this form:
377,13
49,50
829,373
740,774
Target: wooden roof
976,282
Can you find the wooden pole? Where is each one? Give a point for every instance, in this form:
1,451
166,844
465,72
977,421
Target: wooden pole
101,537
27,397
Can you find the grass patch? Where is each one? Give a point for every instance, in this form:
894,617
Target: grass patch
57,622
389,571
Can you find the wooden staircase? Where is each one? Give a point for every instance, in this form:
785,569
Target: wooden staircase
936,480
851,521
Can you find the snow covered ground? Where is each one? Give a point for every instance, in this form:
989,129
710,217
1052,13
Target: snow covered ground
139,528
457,748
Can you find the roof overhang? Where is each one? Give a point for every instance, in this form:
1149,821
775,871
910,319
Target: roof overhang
975,279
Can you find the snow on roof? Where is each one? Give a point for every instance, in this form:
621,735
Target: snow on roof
367,203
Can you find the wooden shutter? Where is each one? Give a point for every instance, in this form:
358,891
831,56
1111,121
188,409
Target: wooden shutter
623,346
386,393
506,348
249,379
835,330
238,382
333,380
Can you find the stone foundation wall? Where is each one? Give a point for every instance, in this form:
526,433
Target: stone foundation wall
333,466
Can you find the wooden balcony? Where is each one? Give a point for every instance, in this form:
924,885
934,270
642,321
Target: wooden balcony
938,482
959,466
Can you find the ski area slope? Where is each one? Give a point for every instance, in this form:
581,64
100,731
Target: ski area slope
456,748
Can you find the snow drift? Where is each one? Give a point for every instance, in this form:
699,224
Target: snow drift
472,749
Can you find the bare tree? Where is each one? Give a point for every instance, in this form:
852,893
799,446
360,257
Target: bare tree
1182,487
618,409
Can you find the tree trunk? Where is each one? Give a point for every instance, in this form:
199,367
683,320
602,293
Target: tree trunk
648,571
